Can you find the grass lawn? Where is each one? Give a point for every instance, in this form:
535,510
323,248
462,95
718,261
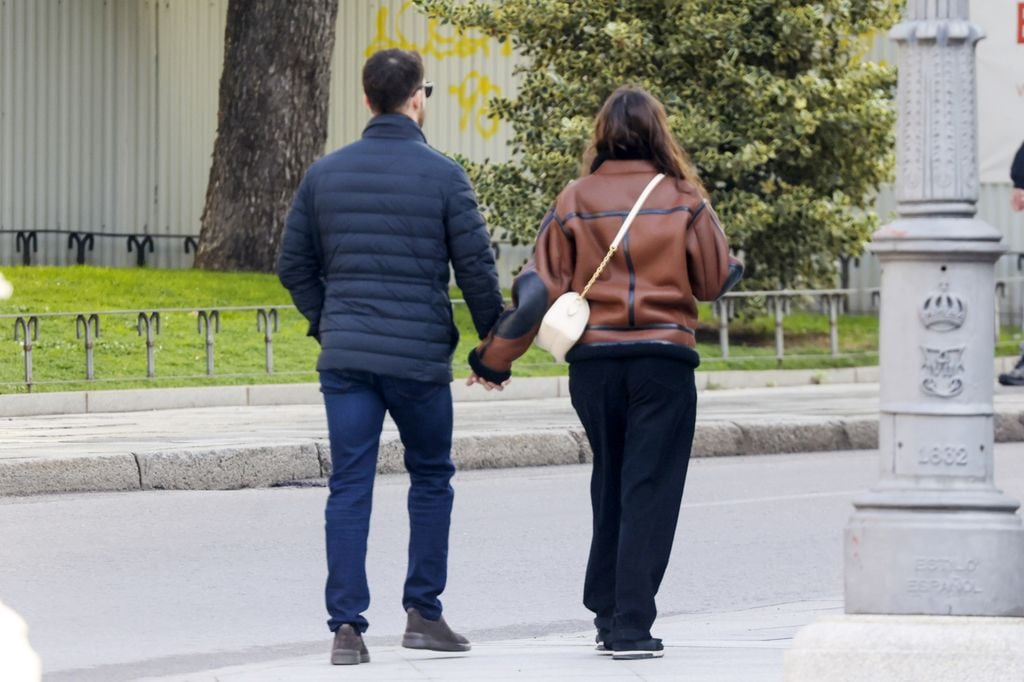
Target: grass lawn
180,355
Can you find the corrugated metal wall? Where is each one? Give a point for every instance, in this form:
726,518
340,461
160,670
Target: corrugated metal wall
467,70
107,116
108,112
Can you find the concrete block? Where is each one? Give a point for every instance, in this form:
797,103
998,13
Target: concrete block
717,438
586,453
525,388
484,451
907,649
1005,363
165,398
228,468
779,377
839,375
756,379
28,404
862,433
868,375
771,437
1009,428
323,454
391,457
284,394
523,449
30,476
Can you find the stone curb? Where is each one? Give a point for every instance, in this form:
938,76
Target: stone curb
262,465
526,388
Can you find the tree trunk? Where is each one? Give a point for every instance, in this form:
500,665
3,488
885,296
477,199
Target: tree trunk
272,124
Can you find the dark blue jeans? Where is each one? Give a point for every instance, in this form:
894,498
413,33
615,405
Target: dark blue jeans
356,403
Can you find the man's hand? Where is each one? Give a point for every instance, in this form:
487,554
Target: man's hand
1017,199
474,379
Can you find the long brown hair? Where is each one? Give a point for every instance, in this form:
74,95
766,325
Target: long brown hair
633,124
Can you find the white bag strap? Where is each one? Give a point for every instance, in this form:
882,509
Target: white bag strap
622,230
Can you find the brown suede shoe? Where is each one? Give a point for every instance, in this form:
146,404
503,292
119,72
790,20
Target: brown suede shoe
434,635
348,647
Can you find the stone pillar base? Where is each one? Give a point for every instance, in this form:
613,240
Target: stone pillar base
908,649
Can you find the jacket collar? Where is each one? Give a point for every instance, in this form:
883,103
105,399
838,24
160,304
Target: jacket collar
395,127
624,166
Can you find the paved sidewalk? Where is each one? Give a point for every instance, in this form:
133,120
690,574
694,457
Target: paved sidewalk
737,646
233,447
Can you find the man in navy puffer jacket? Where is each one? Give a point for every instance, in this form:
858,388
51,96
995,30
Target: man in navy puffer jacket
365,255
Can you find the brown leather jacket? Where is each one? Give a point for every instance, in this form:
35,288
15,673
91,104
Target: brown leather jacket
645,302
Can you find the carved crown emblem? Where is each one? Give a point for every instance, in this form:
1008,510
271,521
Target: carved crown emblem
942,310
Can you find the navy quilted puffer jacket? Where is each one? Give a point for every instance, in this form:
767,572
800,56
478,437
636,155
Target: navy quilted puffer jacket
366,254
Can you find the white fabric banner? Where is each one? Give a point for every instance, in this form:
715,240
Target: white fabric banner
1000,85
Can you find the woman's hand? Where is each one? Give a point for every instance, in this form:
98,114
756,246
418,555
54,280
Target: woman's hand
474,379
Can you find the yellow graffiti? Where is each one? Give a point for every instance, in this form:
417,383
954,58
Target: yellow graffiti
437,44
474,95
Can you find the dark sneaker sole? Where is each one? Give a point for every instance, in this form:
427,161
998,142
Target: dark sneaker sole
636,655
348,658
417,641
602,651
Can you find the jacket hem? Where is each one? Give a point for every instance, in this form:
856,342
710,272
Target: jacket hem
634,349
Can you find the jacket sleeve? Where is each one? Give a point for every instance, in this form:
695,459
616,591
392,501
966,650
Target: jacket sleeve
469,247
547,276
1017,170
300,263
713,272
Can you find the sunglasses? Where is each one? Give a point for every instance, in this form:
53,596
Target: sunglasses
427,87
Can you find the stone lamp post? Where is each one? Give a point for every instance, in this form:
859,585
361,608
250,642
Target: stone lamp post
934,554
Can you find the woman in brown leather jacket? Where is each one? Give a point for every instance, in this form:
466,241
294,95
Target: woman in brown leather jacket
631,373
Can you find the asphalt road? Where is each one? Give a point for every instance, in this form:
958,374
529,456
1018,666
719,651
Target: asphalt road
120,586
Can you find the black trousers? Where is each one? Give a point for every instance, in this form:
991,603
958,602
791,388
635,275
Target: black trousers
639,417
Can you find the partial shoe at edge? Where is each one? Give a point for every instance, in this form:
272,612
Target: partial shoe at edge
433,635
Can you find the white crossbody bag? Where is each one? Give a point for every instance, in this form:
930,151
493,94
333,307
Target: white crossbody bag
567,317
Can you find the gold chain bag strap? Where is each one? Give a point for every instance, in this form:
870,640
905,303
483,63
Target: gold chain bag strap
566,319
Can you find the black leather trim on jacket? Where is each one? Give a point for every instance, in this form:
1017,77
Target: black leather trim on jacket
485,372
735,275
632,281
633,349
643,327
529,303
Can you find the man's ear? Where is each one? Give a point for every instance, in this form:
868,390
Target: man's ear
366,101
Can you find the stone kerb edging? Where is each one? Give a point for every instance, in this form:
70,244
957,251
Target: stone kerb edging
522,388
269,464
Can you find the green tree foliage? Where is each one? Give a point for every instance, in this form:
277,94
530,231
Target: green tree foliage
789,127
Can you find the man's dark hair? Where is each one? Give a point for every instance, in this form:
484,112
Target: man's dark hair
390,78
